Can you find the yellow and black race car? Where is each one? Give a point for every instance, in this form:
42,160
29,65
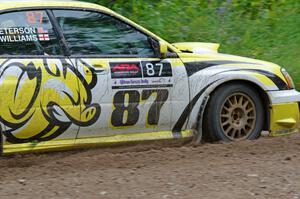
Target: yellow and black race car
78,74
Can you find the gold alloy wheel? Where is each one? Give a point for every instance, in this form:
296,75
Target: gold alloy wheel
238,116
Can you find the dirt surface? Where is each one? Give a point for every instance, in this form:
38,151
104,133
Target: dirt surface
266,168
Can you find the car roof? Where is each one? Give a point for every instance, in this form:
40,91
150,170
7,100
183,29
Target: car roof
21,4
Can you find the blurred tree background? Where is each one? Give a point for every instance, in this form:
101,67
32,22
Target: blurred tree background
262,29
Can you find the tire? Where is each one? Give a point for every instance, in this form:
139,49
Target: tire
235,112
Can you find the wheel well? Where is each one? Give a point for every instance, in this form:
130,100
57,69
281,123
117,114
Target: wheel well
262,94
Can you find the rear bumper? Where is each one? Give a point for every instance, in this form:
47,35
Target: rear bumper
284,112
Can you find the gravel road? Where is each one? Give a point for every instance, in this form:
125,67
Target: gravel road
266,168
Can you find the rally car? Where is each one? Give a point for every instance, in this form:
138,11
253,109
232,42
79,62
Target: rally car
76,74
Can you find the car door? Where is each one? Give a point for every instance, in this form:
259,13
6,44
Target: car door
38,86
131,84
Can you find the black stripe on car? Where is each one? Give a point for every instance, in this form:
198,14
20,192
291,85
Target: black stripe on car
273,77
194,67
187,111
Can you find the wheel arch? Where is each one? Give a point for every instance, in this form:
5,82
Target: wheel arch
257,88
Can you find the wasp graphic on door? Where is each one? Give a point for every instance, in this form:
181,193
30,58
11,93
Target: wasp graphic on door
42,98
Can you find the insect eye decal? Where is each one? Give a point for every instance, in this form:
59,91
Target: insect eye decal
87,71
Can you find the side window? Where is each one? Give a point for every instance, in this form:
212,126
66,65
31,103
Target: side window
27,33
93,33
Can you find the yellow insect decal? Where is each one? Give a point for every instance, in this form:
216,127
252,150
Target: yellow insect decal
41,99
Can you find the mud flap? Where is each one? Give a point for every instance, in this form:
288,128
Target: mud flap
199,130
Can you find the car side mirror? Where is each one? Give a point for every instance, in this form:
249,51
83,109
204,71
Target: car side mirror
163,49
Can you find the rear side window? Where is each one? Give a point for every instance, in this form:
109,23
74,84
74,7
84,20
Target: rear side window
27,33
93,33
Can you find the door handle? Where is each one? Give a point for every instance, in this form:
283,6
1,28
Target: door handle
98,66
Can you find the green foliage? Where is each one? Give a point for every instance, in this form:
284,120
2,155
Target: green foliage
263,29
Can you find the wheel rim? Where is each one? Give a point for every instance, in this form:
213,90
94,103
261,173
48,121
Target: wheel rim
238,116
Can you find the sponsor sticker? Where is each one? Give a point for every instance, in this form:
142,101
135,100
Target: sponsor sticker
125,70
35,17
156,69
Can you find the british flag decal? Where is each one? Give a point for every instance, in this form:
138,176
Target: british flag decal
43,34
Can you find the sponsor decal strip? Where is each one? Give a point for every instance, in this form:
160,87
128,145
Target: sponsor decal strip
143,86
